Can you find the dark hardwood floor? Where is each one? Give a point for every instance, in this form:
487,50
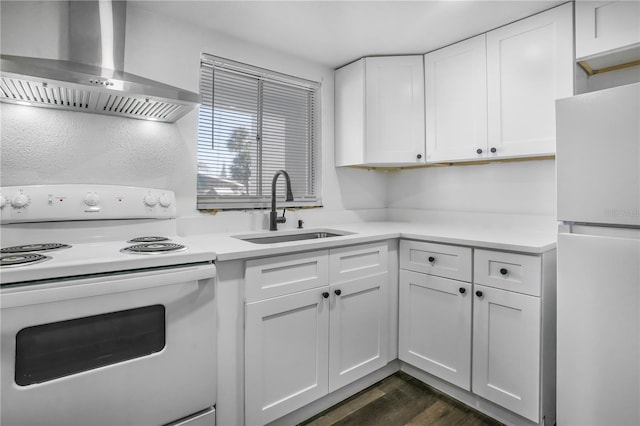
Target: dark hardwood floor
400,400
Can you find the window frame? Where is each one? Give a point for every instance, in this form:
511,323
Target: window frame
314,168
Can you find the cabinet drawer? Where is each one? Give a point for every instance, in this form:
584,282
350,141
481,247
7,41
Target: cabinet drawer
509,271
348,263
436,259
277,276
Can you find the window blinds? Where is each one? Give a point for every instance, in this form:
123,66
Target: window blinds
252,123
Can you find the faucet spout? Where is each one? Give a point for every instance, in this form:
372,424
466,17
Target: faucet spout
273,216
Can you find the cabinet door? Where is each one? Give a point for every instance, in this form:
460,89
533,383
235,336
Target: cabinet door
435,326
605,26
506,350
456,101
394,110
286,351
359,329
349,114
529,66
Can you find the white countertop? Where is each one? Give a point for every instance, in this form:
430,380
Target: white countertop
497,236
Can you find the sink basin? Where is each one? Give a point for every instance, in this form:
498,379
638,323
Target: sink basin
298,236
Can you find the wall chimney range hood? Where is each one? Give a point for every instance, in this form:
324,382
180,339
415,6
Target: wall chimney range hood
92,80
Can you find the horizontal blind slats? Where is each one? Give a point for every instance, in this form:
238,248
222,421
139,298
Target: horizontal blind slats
248,116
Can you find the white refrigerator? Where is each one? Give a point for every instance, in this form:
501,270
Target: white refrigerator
598,335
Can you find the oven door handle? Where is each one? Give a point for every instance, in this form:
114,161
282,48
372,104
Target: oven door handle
90,286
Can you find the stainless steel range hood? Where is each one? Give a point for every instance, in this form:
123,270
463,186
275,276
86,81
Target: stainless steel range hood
90,80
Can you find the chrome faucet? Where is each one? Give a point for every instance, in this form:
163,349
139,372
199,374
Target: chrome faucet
273,216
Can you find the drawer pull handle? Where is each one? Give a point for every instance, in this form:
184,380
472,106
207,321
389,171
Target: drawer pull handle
479,151
479,293
325,294
462,290
431,259
338,292
419,156
503,271
493,150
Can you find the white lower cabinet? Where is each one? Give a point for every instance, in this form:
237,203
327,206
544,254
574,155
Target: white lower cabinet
435,326
506,349
286,356
495,337
358,329
303,345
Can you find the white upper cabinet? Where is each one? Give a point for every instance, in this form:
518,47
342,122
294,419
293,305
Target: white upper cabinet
609,30
529,66
379,112
456,101
493,96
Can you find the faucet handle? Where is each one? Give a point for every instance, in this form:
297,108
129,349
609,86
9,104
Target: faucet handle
282,219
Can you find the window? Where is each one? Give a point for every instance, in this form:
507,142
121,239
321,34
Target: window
252,123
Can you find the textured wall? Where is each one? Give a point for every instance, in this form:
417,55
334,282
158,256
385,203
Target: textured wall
40,146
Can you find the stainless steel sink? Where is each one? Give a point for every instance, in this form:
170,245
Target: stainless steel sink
298,236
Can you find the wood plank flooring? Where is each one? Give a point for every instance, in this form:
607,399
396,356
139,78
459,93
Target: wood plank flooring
400,400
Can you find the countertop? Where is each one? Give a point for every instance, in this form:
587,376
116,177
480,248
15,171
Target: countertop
496,236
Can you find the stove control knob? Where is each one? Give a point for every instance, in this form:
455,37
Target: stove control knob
91,199
165,201
20,200
149,200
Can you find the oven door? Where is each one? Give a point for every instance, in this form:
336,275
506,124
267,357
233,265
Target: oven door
124,349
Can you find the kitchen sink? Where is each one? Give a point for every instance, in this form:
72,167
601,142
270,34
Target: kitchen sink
273,238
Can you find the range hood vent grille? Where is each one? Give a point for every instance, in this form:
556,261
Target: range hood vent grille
19,90
88,81
71,98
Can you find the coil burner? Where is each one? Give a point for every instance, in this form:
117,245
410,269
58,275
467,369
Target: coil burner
22,259
29,248
154,248
150,239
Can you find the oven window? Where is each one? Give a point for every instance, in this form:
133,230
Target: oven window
49,351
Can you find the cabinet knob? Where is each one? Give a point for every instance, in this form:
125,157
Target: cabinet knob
462,290
325,294
504,271
338,292
479,151
479,293
431,259
493,150
419,156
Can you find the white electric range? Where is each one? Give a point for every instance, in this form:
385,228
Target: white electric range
107,317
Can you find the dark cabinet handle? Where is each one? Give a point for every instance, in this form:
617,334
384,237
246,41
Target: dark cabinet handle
479,293
325,294
493,149
419,156
462,290
431,259
338,292
479,151
504,271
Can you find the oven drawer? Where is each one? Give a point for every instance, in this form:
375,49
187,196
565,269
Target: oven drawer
516,272
442,260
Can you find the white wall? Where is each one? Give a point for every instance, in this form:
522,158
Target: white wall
517,188
41,146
